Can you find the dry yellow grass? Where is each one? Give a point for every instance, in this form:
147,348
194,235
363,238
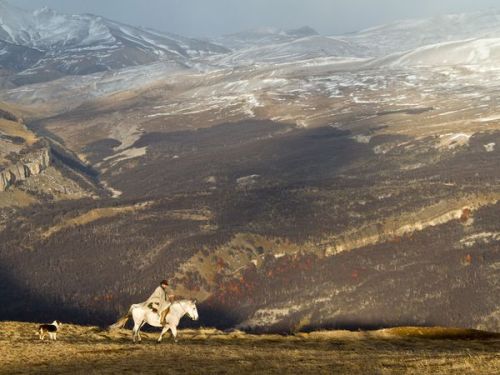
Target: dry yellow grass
13,128
93,215
107,212
15,109
16,198
89,350
16,129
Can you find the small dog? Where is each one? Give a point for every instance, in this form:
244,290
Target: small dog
50,329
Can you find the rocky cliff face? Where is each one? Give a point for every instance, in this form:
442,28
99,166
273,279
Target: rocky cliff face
31,165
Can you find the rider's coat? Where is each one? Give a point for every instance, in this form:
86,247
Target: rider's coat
160,298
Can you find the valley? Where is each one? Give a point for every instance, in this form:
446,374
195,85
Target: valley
288,181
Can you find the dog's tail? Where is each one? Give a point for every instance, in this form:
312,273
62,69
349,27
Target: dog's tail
120,323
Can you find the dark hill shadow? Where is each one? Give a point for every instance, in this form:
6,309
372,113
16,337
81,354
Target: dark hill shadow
20,303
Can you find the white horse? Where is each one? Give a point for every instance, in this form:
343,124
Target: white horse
142,314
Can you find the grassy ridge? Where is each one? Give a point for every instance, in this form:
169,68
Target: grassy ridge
208,351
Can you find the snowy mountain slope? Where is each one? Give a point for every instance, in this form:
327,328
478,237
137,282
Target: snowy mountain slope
476,52
410,34
263,37
399,36
162,44
270,45
71,91
44,45
300,49
46,29
14,57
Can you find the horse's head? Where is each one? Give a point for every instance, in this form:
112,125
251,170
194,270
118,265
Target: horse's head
191,310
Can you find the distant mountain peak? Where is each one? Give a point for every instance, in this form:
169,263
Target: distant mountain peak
302,32
45,12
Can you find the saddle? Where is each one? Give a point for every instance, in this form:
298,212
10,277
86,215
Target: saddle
153,307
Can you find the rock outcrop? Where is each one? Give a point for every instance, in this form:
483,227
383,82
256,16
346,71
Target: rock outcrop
31,164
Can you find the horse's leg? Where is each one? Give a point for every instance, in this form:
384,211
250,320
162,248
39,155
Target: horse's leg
136,326
135,331
139,338
173,329
139,330
163,331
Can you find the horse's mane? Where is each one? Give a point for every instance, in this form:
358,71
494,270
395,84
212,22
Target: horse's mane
184,300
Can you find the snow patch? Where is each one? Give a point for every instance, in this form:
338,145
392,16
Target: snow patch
365,139
114,192
247,180
453,140
490,147
130,153
484,237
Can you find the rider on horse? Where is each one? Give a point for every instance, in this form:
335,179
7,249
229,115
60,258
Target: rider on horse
161,300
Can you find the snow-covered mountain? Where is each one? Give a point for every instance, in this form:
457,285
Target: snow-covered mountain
46,29
45,44
411,34
440,40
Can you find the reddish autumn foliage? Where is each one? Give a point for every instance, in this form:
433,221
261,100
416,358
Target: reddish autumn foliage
468,259
243,287
395,239
466,214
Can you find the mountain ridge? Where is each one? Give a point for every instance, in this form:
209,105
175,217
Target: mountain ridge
56,44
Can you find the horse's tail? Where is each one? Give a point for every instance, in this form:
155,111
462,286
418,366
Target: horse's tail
120,323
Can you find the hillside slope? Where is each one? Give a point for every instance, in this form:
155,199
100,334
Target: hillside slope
330,192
